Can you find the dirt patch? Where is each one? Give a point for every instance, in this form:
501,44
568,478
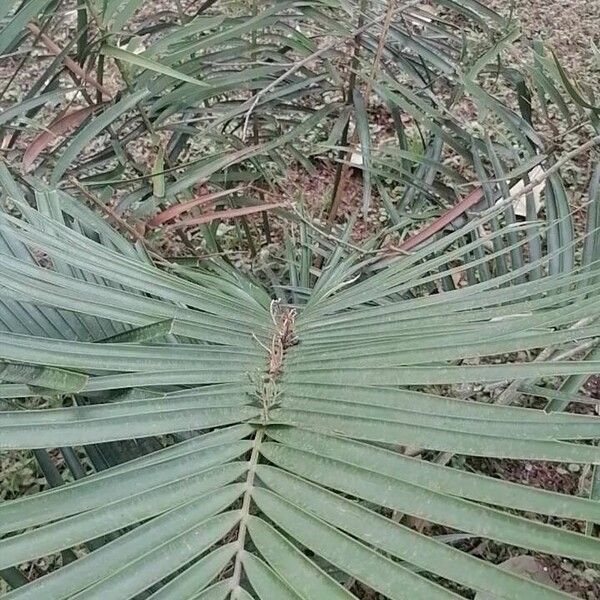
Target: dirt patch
569,27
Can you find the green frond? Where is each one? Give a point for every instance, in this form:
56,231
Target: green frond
274,434
298,455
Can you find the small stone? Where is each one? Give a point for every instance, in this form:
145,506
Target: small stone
574,468
526,566
590,575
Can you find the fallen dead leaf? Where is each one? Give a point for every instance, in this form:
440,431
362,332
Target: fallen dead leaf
231,213
61,126
174,211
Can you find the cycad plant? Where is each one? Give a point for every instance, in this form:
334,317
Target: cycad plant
287,478
280,433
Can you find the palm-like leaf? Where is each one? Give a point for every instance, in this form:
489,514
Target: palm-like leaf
299,413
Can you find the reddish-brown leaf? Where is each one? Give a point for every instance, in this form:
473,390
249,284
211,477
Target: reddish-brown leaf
177,209
456,211
61,126
230,213
76,69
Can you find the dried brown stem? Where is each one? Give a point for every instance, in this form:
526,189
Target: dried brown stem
73,66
